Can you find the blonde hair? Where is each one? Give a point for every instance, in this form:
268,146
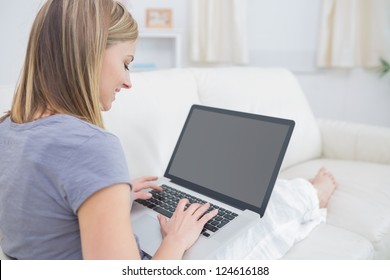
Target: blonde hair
63,62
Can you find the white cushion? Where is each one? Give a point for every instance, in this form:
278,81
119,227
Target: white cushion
353,141
157,105
327,242
274,92
2,255
148,118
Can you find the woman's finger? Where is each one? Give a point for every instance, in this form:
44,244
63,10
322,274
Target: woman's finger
142,195
201,210
208,216
192,209
148,185
181,205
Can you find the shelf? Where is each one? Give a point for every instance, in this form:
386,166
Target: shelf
158,49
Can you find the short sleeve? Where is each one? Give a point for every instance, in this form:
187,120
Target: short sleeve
97,163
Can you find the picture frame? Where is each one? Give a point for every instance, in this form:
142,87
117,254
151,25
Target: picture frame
158,18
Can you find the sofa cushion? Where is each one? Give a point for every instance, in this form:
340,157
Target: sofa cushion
148,118
360,203
3,256
327,242
274,92
355,141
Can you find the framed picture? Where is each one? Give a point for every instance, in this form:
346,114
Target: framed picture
158,18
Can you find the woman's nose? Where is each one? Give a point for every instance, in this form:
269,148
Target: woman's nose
127,83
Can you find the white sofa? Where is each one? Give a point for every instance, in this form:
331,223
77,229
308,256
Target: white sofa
149,118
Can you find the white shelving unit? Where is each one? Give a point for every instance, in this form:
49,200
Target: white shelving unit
158,49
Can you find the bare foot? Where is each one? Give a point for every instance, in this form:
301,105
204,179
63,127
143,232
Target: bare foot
325,184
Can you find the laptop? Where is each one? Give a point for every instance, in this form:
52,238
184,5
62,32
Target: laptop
227,158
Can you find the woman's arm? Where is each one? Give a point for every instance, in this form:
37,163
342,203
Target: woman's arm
105,226
106,231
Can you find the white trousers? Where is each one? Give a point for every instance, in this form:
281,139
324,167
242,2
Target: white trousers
292,213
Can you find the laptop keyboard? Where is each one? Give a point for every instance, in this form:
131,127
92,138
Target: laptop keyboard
165,203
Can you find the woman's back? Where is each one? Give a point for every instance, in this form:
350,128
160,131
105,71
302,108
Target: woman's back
53,165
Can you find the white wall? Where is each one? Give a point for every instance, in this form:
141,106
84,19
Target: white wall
16,18
285,33
357,95
281,33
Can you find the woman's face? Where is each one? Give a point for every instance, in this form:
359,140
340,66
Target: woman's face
115,71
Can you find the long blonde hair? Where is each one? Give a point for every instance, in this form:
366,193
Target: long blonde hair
63,61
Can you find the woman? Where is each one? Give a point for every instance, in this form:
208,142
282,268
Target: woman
65,192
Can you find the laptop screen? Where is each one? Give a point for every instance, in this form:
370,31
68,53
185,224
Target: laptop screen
231,156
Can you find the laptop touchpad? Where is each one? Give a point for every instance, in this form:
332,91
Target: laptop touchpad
147,229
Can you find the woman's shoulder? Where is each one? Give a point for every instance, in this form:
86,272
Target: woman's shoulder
74,122
59,123
72,127
62,133
79,131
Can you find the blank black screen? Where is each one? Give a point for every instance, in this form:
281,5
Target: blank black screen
229,154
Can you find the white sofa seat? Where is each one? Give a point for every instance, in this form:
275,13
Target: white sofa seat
324,243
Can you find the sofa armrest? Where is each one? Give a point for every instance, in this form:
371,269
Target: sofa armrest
352,141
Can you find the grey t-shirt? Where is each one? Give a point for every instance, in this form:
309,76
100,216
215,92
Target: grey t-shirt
48,168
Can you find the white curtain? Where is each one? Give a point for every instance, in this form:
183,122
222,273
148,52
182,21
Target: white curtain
219,31
354,33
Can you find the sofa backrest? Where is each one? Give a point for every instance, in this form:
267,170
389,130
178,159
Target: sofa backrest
149,117
266,91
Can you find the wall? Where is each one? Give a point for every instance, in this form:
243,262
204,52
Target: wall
281,33
285,33
357,95
16,18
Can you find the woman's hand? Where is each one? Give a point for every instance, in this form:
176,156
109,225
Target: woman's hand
185,225
143,183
